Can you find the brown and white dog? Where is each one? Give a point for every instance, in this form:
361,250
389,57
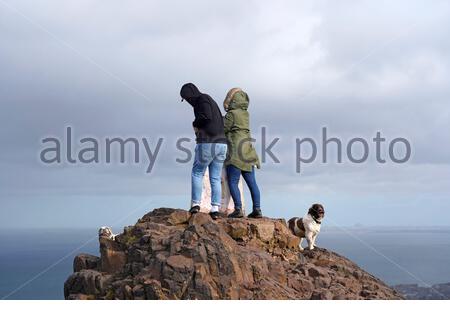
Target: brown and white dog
309,226
106,232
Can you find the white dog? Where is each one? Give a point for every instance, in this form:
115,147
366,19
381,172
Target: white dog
106,232
309,226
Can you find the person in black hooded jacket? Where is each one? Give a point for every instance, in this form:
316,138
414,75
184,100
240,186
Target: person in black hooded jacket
211,148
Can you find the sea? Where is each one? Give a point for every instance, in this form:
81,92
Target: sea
35,263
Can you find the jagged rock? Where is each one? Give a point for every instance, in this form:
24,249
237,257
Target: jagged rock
317,272
171,254
89,283
265,231
237,230
321,295
113,257
80,296
85,261
179,217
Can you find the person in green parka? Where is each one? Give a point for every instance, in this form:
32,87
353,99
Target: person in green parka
242,158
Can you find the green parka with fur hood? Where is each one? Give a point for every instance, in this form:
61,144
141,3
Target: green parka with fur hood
241,152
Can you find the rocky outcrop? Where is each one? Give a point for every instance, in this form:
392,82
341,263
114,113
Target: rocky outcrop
171,254
86,262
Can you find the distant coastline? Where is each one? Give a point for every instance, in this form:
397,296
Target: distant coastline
439,291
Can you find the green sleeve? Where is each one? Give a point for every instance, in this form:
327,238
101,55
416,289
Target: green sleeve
228,122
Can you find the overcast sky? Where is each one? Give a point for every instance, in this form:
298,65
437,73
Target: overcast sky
108,69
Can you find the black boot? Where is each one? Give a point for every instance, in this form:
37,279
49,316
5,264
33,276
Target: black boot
237,213
256,214
214,215
194,209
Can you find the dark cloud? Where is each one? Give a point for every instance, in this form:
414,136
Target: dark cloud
110,70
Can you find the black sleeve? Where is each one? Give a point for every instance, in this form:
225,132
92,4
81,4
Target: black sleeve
202,114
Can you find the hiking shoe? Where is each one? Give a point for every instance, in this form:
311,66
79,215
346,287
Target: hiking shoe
237,213
256,214
214,215
194,209
223,214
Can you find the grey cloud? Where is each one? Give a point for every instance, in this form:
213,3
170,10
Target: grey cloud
295,59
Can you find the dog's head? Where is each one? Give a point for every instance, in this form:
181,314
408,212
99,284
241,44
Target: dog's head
317,212
105,232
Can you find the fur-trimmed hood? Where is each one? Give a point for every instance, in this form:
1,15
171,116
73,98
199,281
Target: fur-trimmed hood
236,99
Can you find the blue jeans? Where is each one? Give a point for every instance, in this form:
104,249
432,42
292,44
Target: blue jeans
212,156
234,174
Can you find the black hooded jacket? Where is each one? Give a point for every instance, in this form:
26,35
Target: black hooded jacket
208,118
